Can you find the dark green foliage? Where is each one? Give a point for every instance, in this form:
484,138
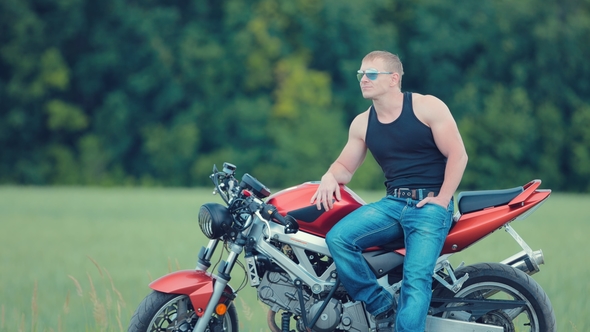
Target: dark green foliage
154,92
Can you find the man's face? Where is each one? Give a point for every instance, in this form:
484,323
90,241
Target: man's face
375,79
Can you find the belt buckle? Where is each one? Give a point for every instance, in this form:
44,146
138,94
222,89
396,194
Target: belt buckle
404,192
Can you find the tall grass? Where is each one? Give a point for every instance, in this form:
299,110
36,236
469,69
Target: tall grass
80,259
105,303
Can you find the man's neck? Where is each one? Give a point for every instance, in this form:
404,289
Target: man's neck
389,105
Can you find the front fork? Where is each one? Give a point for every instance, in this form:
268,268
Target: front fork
204,261
222,277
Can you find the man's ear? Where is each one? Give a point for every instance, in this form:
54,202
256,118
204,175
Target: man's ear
394,79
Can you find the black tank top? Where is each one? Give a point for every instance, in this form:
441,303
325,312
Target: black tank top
405,150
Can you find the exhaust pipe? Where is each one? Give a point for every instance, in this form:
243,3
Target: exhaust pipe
528,264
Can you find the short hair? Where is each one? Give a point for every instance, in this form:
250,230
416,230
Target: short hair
392,62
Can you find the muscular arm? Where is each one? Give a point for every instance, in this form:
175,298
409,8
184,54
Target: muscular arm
341,171
437,116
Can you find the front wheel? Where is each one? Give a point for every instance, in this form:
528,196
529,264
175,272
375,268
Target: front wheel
175,313
501,282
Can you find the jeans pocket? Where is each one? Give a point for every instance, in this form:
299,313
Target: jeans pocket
440,206
439,212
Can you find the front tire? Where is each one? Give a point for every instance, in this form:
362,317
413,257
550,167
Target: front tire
499,281
174,312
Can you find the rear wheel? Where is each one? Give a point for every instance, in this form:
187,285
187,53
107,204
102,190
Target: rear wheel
501,282
175,313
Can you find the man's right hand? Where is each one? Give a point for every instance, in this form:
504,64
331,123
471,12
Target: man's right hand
341,171
327,189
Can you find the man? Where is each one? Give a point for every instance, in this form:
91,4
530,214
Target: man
415,140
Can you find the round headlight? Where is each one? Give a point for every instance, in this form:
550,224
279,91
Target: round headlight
214,220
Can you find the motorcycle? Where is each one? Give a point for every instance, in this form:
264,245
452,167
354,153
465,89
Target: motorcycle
286,259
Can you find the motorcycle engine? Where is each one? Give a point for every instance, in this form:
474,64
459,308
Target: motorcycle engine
277,290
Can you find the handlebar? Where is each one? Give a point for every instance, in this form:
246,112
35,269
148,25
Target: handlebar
232,192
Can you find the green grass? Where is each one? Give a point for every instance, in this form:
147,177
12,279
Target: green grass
80,259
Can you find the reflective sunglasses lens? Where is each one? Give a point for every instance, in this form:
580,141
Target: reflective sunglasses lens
359,76
372,76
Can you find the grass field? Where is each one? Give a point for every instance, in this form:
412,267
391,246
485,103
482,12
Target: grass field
80,259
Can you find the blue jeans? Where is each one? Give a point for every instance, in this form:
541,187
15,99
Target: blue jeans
379,223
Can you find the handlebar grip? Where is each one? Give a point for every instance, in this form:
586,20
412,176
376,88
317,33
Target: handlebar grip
291,225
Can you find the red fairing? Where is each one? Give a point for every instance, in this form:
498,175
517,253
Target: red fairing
197,285
472,227
295,202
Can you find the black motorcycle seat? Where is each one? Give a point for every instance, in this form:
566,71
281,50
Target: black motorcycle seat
471,201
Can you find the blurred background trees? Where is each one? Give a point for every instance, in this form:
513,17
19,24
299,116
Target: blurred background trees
155,92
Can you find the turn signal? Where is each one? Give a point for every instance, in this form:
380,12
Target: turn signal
221,309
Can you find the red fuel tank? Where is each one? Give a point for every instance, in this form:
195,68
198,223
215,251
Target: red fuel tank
295,202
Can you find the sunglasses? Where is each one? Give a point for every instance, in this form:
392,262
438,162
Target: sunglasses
371,74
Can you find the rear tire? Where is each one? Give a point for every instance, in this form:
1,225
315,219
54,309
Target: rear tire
174,312
499,281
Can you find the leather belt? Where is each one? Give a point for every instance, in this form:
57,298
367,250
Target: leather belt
414,193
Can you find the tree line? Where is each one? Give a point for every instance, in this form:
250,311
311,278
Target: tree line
120,92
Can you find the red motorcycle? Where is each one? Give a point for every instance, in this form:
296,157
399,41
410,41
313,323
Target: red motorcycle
286,259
